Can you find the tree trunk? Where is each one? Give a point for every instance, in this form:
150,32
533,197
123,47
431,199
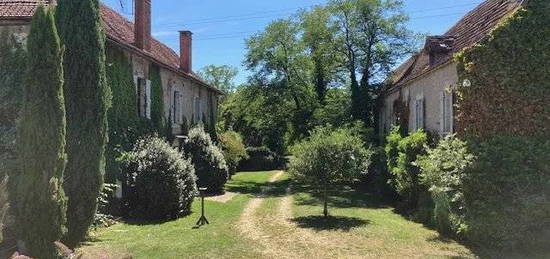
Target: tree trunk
325,209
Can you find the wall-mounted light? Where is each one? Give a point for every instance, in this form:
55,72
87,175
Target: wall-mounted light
466,83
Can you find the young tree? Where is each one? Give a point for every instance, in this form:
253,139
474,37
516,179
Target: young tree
329,157
222,77
40,203
373,37
88,99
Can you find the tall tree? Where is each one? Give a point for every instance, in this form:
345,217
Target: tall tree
88,99
279,61
318,36
373,36
40,203
12,68
222,77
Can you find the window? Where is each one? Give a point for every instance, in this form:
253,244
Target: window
144,97
419,113
177,109
446,103
197,108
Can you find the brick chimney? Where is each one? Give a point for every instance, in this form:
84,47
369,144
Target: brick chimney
142,28
186,51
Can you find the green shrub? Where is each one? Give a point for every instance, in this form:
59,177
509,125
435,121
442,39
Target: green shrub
233,149
443,170
329,157
210,166
261,159
4,205
39,202
507,192
401,153
88,98
161,184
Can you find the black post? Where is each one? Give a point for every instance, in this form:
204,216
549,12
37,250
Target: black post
203,219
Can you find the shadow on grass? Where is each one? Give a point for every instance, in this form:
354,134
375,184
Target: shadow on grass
344,198
330,223
275,189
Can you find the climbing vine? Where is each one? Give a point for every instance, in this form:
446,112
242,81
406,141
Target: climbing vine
504,115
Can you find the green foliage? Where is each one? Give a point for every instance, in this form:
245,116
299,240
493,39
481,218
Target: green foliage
157,102
233,149
4,206
258,115
222,77
336,109
124,123
40,203
12,67
443,170
507,190
329,157
88,99
162,183
505,116
373,37
102,217
261,159
208,159
401,153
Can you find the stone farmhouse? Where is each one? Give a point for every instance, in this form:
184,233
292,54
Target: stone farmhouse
187,98
420,93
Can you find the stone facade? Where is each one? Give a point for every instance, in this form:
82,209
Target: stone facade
429,91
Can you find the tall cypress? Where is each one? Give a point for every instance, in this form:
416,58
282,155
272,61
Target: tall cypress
40,203
88,99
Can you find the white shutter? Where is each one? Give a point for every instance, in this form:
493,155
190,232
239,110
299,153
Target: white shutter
451,113
148,99
136,84
442,112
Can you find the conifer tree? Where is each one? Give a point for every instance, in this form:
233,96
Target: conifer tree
88,99
40,202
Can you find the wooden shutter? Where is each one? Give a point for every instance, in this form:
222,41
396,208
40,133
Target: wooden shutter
148,99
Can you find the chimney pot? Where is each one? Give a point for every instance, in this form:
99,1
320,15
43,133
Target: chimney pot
186,51
142,25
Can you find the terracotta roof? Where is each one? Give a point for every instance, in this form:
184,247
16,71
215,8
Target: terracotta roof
472,28
119,30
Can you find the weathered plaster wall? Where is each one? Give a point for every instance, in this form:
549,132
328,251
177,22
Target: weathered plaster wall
429,87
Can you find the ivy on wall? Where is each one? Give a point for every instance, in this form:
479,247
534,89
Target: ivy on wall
510,78
157,103
505,118
124,123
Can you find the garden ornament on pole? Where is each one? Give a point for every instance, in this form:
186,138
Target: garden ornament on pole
203,219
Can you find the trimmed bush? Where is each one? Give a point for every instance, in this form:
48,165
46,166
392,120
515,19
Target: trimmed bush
161,184
39,201
443,170
210,166
261,159
401,153
233,149
88,98
507,192
329,157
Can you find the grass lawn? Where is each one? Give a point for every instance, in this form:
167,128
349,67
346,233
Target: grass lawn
268,220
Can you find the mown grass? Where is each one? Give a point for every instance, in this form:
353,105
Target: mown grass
178,239
360,225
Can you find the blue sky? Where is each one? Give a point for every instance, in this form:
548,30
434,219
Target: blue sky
221,26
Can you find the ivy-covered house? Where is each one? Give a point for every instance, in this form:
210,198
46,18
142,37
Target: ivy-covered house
421,91
167,90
